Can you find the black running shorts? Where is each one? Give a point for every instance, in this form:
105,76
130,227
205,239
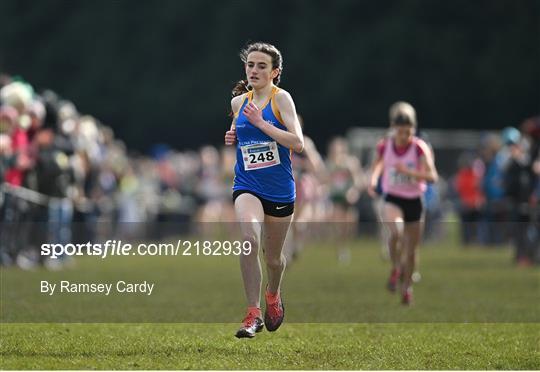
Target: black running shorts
270,208
412,208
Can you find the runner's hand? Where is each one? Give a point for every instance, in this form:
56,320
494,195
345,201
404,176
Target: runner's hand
371,191
253,114
230,137
401,168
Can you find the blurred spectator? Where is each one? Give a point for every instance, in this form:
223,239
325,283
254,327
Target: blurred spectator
468,185
17,94
310,175
6,155
16,162
432,200
495,213
345,185
519,186
55,180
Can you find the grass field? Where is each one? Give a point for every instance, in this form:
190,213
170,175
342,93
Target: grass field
473,310
296,346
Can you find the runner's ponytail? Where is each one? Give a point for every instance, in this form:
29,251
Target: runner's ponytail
240,88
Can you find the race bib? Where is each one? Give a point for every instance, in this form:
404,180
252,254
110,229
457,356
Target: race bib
397,179
260,155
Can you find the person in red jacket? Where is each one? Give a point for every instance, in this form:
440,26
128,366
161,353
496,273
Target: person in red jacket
468,185
19,145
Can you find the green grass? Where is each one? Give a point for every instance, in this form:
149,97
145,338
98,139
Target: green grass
295,346
473,310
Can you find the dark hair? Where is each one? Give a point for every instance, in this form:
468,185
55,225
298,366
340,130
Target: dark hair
402,119
402,113
241,87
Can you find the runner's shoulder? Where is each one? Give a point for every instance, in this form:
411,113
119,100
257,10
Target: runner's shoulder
422,147
380,146
236,102
283,97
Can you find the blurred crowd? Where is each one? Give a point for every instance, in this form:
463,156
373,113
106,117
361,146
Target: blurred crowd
65,178
56,167
498,191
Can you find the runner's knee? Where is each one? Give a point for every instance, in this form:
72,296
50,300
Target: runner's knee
253,241
394,235
275,263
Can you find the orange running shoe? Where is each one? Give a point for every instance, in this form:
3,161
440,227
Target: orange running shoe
395,275
275,311
251,324
407,296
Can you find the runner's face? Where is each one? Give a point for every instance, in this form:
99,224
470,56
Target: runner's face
403,134
259,70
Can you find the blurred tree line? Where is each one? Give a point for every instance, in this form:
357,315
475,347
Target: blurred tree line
161,71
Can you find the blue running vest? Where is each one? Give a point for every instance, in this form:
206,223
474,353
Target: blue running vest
266,177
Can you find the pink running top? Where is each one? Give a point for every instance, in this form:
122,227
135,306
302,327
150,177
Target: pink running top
398,184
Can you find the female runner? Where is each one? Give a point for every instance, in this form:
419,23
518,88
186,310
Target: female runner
406,164
266,130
